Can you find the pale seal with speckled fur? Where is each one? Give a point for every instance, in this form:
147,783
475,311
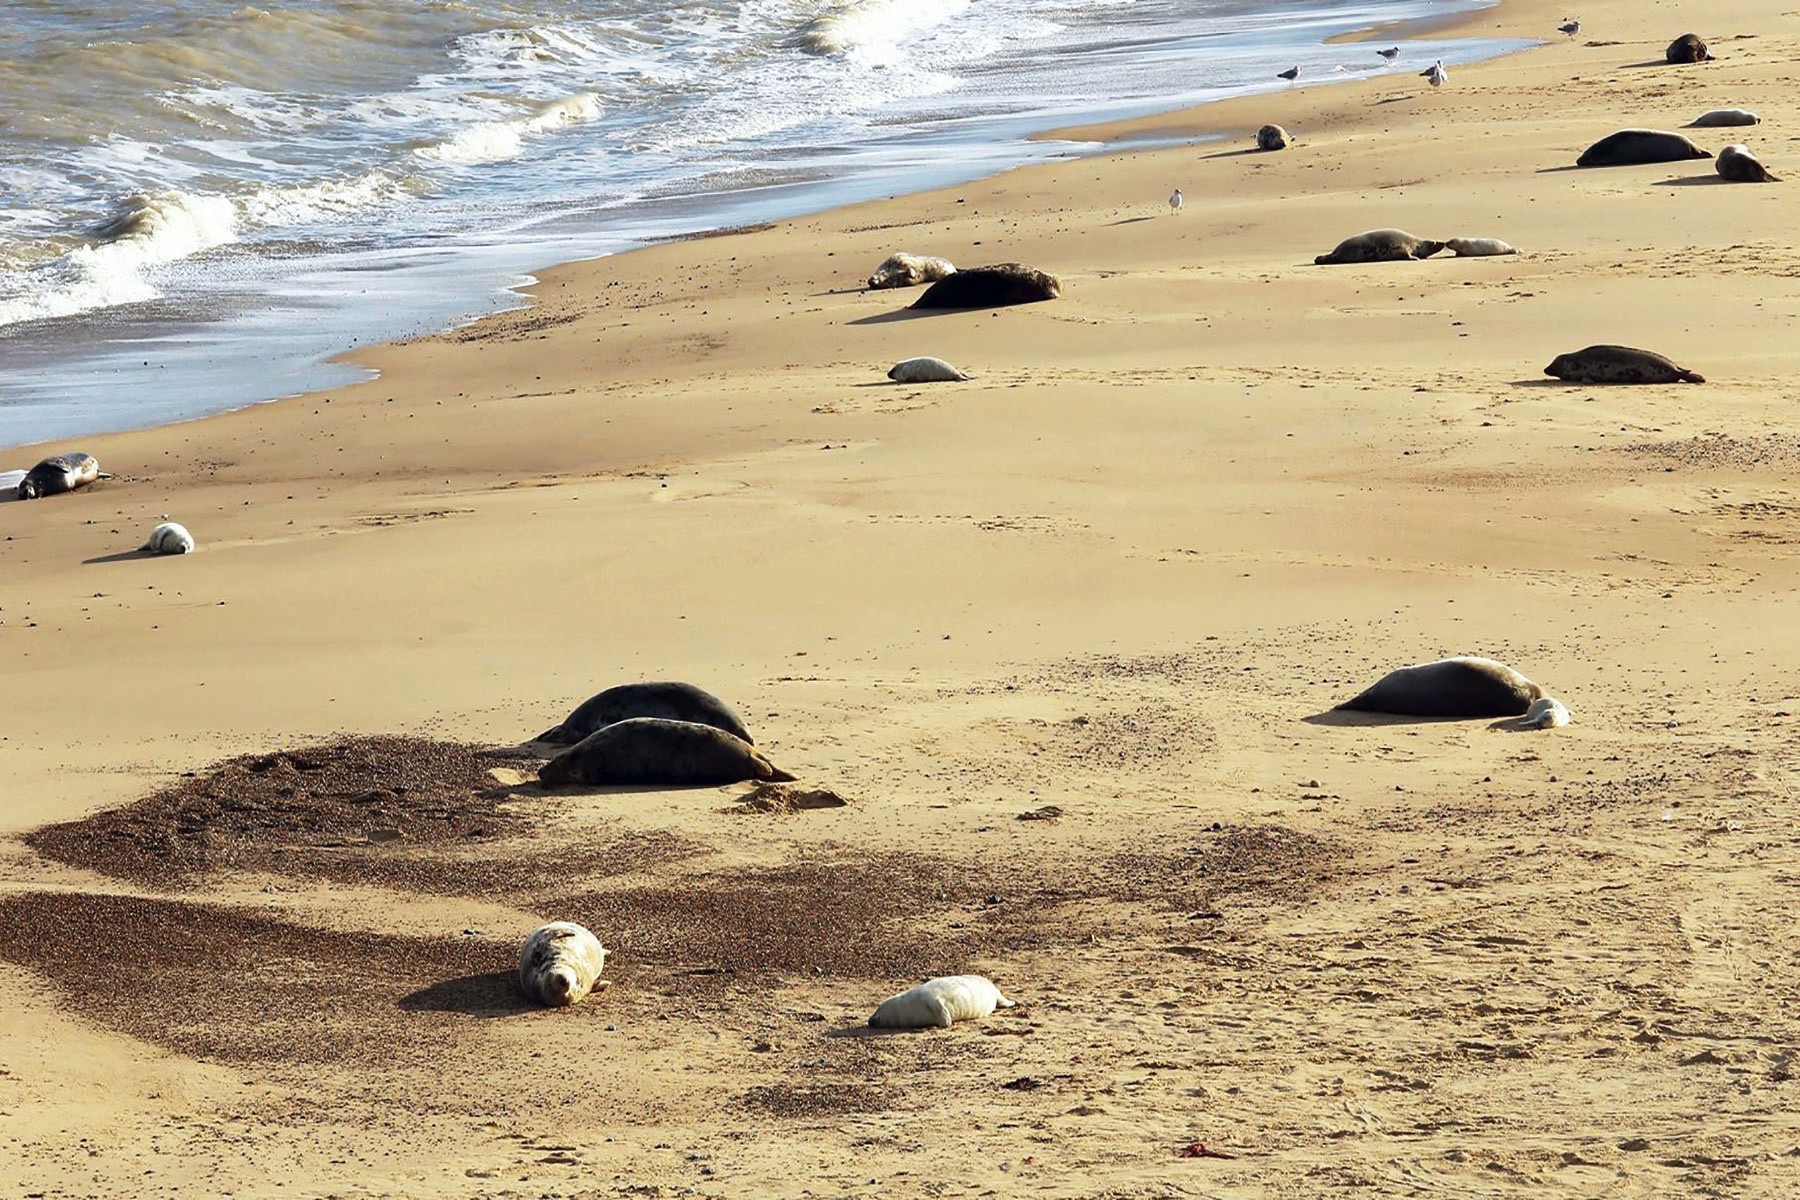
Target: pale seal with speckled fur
925,370
560,963
1479,247
940,1003
907,270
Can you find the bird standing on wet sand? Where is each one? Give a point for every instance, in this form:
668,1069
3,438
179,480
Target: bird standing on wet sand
1436,74
1175,201
1391,53
1569,27
1291,74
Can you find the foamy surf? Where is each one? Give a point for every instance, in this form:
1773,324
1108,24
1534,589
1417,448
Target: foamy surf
499,141
873,29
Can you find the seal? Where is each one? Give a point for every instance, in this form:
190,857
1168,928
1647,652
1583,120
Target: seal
560,963
1737,164
1716,117
1635,147
1479,247
1546,712
940,1003
675,701
1688,48
989,287
905,270
1618,364
654,752
1450,687
169,538
925,370
1271,137
60,473
1380,245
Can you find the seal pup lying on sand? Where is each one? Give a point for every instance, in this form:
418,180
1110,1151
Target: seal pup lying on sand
1635,147
1271,137
1739,165
1380,245
1479,247
1546,712
1688,48
654,752
60,473
1466,686
1724,116
672,700
925,370
1618,364
169,538
986,287
560,963
905,270
940,1003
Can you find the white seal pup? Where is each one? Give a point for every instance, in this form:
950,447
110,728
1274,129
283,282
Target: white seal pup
1546,712
560,963
1713,118
60,473
925,370
906,270
1737,163
940,1003
169,538
1479,247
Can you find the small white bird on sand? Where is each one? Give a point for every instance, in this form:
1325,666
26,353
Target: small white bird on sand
1436,74
1291,74
1175,200
1391,53
1569,27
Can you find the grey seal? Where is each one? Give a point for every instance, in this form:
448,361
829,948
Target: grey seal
988,287
1450,687
1618,364
560,963
1739,165
651,751
1714,118
169,538
1688,48
672,700
905,270
925,370
1271,137
1635,147
1380,245
60,473
1479,247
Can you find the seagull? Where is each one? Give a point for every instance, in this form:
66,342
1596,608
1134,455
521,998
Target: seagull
1291,74
1391,53
1569,27
1436,74
1175,200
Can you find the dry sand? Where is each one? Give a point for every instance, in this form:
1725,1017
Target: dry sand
1207,494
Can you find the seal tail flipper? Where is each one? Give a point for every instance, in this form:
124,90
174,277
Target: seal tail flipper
553,735
777,775
1324,260
1003,1002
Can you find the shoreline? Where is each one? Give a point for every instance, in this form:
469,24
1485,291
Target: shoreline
1067,638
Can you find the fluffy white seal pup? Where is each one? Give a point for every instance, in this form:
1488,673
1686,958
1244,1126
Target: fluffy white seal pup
925,370
908,270
1546,712
1479,247
560,963
940,1003
169,538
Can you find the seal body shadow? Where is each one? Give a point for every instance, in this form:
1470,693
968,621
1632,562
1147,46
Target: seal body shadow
1466,686
989,287
671,700
653,752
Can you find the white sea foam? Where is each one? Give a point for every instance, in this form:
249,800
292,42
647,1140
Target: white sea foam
871,30
498,141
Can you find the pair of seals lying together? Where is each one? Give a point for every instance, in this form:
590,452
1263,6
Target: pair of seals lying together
654,734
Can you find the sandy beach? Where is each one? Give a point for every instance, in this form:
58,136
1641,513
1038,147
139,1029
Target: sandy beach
1066,637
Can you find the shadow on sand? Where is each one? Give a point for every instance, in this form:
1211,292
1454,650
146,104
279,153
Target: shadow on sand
122,556
491,994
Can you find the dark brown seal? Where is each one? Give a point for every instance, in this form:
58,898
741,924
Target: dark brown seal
1271,137
1618,364
1739,165
1380,245
671,700
1635,147
989,287
658,753
1688,48
1450,687
59,473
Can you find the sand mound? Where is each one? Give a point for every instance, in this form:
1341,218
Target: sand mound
786,798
